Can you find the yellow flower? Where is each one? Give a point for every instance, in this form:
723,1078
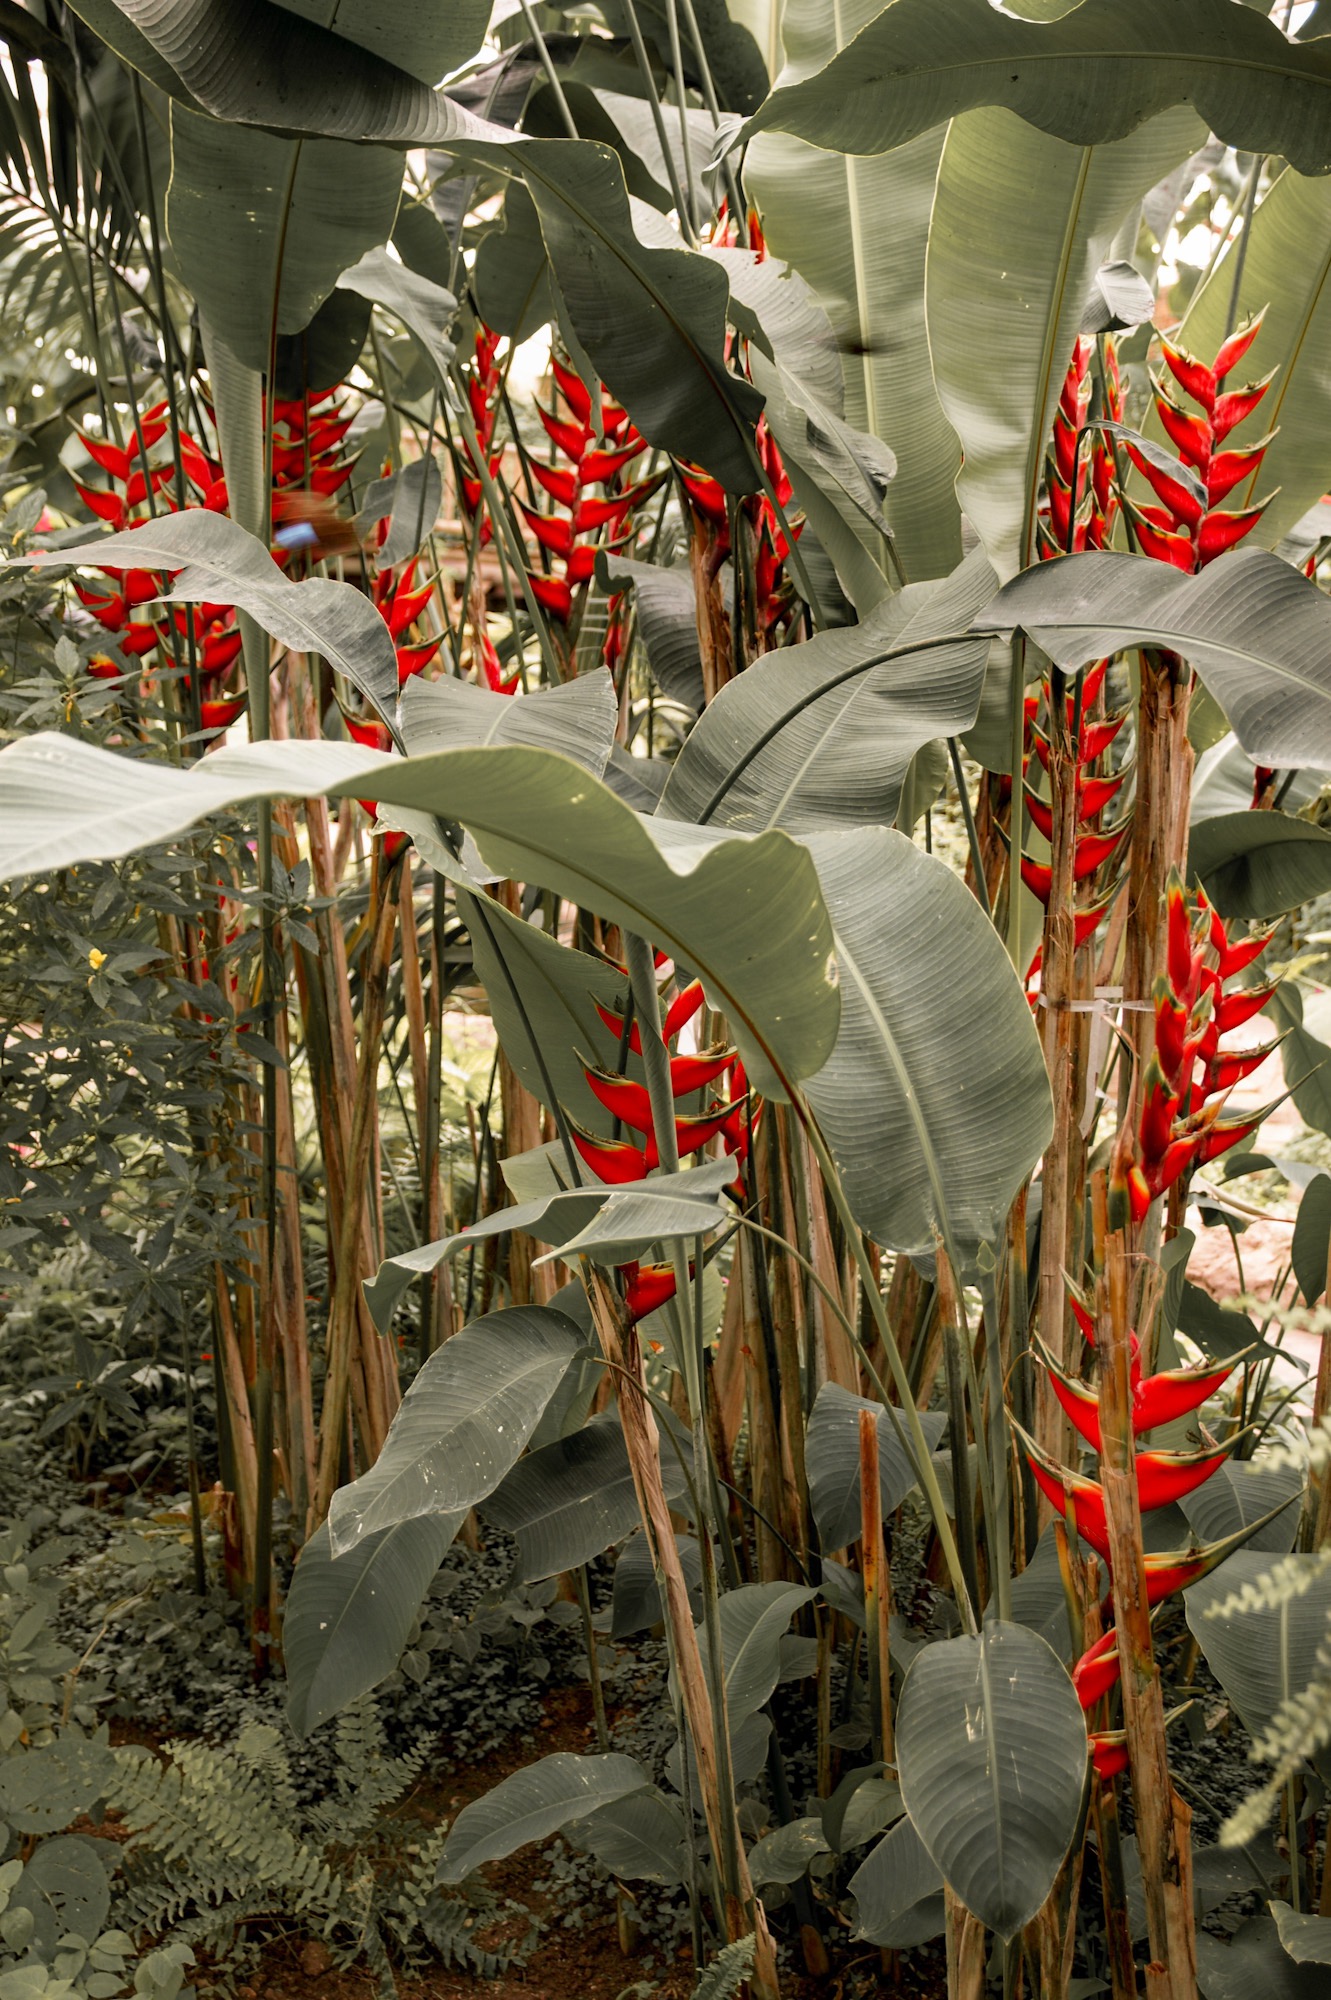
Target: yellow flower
96,959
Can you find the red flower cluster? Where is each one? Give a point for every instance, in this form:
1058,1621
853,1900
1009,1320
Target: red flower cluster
707,497
483,386
615,1161
306,439
1096,501
400,601
1162,1478
1096,845
1189,528
1189,1076
570,529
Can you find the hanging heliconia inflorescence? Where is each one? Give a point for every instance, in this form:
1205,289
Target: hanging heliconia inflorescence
732,1119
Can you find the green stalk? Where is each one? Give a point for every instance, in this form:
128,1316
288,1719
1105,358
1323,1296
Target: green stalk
919,1443
683,210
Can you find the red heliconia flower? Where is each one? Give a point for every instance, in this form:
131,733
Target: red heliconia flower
1179,1126
221,714
493,668
393,840
1109,1754
1097,1670
563,531
369,732
1162,1478
1183,530
647,1287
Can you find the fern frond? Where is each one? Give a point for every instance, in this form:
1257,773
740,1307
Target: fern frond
728,1971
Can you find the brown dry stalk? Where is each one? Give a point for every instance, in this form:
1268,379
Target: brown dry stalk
342,1314
619,1344
1163,1820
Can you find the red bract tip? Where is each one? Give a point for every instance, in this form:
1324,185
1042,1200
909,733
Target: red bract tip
688,1073
707,494
1166,1476
1238,953
1227,1133
414,659
1159,1109
1097,1669
1228,468
1094,794
598,466
572,388
571,439
1109,1754
649,1287
219,652
1139,1194
1079,1401
369,732
1233,1009
1191,374
221,714
558,481
1224,1071
1170,488
1096,737
615,1023
109,457
553,595
622,1097
1175,1392
1231,409
613,1161
1232,351
1042,814
1081,1311
1038,877
552,531
1093,849
1221,531
683,1008
1157,539
1190,434
1181,960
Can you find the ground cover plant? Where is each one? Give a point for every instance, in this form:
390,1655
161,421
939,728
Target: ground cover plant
666,705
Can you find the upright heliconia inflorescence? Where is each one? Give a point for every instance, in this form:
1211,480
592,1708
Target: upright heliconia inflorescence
1070,521
1163,1477
730,1116
1189,527
596,447
1188,1075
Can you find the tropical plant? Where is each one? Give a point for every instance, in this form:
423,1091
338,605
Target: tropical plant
785,732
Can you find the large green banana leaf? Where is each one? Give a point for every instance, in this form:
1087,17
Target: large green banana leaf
651,319
936,1101
1093,74
1021,223
868,271
1257,631
747,915
263,226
